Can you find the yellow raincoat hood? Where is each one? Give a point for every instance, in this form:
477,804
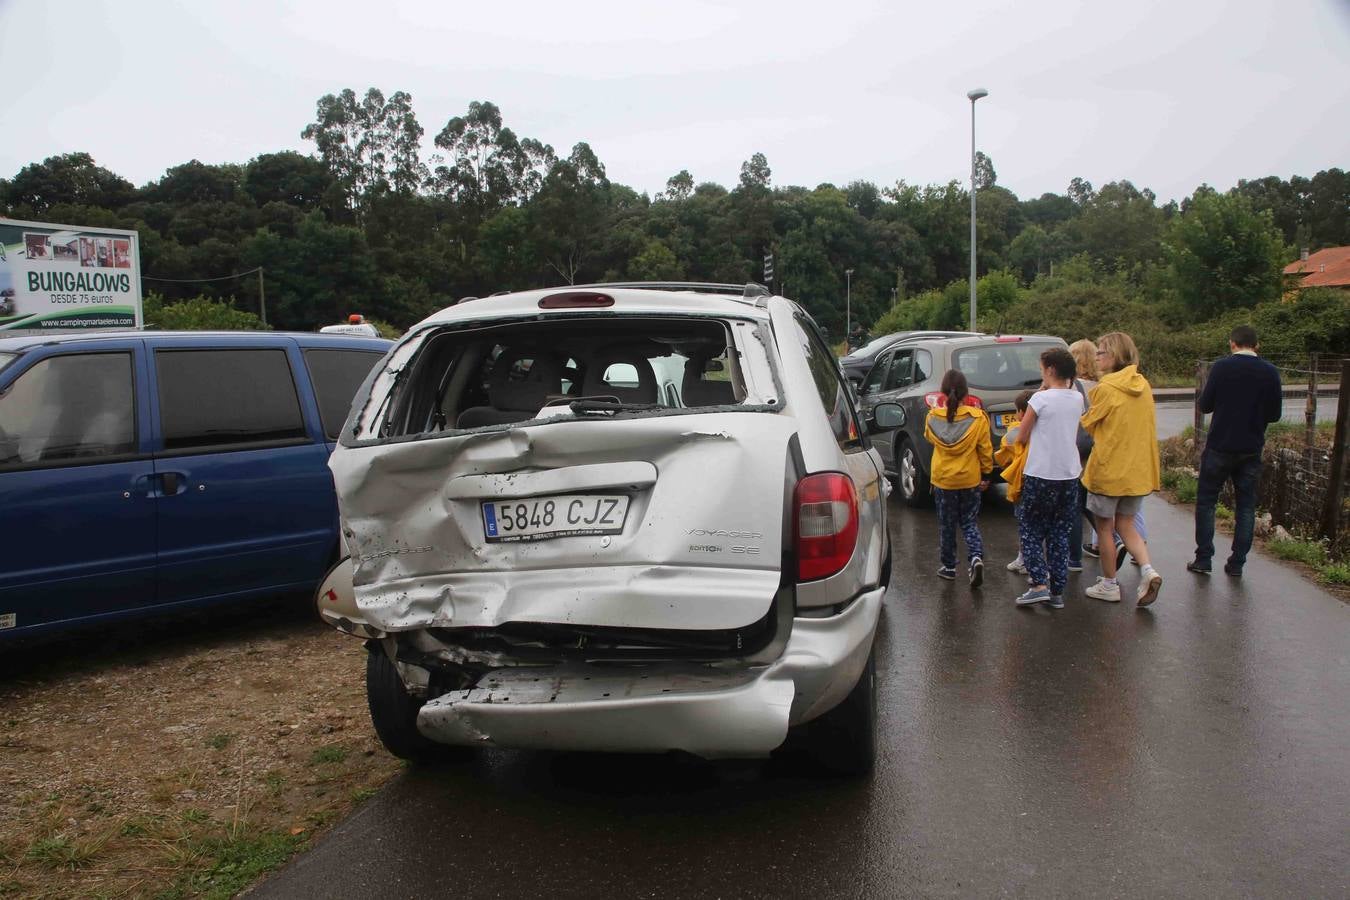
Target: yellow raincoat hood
963,452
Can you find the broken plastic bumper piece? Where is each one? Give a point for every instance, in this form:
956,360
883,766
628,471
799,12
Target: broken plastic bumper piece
709,711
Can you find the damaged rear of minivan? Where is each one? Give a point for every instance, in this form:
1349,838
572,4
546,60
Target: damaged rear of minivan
613,519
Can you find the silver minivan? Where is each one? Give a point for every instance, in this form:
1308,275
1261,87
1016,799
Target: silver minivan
638,518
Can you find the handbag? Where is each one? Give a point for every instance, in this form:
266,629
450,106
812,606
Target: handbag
1084,439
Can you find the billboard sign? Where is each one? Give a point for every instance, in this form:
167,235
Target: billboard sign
66,277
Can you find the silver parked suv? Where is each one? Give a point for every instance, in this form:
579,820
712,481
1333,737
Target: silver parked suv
618,517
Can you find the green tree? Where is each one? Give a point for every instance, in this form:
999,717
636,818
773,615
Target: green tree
368,145
318,277
1120,226
656,262
71,178
488,166
288,177
198,314
1223,254
985,176
680,186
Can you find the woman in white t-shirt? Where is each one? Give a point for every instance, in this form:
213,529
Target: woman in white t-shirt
1050,485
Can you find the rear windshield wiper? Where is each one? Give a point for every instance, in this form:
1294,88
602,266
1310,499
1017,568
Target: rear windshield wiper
584,407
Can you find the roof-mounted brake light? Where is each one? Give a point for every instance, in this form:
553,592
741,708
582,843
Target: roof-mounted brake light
576,300
1007,339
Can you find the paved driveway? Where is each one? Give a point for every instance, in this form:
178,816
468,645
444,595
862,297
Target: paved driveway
1197,749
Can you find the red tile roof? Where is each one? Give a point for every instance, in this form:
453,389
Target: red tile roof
1325,268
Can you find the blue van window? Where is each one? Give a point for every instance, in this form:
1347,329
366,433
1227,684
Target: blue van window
337,376
213,398
75,408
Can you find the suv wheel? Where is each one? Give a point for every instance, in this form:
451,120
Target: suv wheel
393,712
914,487
843,741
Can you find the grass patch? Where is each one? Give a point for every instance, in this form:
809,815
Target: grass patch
219,741
59,852
138,826
1336,573
1321,431
234,863
195,817
331,754
1223,513
1310,553
361,795
1186,488
1180,483
275,781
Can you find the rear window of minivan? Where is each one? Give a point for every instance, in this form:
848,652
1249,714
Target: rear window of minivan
1001,366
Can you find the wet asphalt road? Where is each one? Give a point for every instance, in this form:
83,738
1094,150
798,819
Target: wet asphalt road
1200,748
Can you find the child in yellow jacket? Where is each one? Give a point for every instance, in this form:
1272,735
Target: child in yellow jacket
963,458
1012,457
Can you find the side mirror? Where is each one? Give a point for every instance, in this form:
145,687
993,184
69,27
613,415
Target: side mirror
889,416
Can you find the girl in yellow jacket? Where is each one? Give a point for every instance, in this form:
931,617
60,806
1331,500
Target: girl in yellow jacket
1011,457
1123,467
963,458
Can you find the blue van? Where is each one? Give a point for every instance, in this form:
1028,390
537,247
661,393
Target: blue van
144,472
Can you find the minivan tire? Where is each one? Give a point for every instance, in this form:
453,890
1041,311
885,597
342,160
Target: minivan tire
393,712
915,488
843,741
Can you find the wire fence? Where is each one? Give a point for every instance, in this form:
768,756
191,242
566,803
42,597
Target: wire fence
1303,479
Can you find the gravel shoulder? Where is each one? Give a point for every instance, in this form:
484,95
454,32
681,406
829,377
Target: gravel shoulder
186,760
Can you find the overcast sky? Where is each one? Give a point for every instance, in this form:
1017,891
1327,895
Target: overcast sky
1165,93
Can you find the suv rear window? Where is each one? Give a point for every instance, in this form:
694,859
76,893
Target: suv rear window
1001,366
503,375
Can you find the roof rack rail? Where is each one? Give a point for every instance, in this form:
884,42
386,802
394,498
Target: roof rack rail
748,291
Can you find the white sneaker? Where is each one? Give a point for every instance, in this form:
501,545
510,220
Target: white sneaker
1103,591
1149,586
1017,566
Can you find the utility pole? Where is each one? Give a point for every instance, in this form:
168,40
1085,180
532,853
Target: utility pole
974,95
262,296
848,308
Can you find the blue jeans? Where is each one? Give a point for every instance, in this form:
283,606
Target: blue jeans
1049,509
958,509
1216,467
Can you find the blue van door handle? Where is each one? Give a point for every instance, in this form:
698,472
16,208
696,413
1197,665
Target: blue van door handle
172,483
162,484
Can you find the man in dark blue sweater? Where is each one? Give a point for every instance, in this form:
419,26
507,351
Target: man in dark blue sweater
1243,393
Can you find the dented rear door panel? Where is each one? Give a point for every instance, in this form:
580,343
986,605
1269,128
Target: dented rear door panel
700,548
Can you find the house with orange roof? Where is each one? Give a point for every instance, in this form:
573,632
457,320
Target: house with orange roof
1325,268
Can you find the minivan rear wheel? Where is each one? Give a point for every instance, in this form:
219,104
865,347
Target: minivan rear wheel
393,712
914,484
843,741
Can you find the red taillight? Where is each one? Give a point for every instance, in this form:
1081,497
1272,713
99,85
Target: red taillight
1007,339
575,300
936,400
826,525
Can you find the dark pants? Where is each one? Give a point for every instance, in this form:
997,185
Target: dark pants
1216,467
958,509
1049,509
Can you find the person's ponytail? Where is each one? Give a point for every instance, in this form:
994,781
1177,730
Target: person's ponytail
954,388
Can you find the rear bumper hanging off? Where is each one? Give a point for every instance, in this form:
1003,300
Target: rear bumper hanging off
704,710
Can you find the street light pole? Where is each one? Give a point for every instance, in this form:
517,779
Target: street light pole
848,307
974,95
